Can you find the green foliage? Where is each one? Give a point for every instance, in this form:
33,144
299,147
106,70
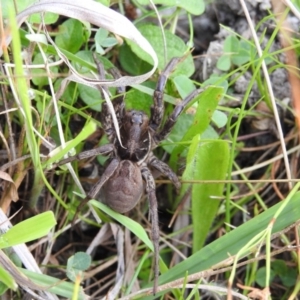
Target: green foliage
6,281
70,36
175,47
236,52
195,7
232,242
286,274
102,41
90,96
207,160
194,143
207,103
39,78
138,100
49,18
28,230
78,263
133,226
54,285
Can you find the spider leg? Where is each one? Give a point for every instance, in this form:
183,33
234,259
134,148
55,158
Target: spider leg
162,134
118,103
96,188
164,169
157,110
105,149
150,189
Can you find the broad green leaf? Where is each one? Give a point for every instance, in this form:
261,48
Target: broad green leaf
90,96
78,263
133,226
195,7
207,103
206,160
139,101
224,62
230,48
219,118
260,276
229,244
54,285
184,85
181,126
28,230
175,48
131,62
102,38
70,35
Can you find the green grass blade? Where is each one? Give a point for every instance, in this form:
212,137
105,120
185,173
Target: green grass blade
7,279
53,285
233,241
28,230
58,153
133,226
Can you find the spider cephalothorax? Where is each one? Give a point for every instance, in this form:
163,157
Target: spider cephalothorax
122,183
135,136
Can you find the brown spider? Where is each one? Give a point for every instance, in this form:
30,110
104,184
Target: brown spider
121,185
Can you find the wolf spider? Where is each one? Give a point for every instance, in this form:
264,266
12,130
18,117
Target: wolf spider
121,185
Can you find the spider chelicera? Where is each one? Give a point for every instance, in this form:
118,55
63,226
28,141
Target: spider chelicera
122,183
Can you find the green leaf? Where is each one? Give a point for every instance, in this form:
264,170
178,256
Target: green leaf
90,96
54,285
205,161
230,48
184,85
70,35
132,63
287,274
175,48
7,281
224,62
133,226
138,100
207,103
102,39
219,118
195,7
232,242
181,126
28,230
261,274
78,263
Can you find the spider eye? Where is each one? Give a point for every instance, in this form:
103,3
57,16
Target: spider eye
137,118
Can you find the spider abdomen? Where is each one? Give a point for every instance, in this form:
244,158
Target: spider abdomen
124,188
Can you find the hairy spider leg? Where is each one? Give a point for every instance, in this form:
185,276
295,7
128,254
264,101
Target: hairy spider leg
96,188
105,149
157,110
118,102
169,124
164,169
150,190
